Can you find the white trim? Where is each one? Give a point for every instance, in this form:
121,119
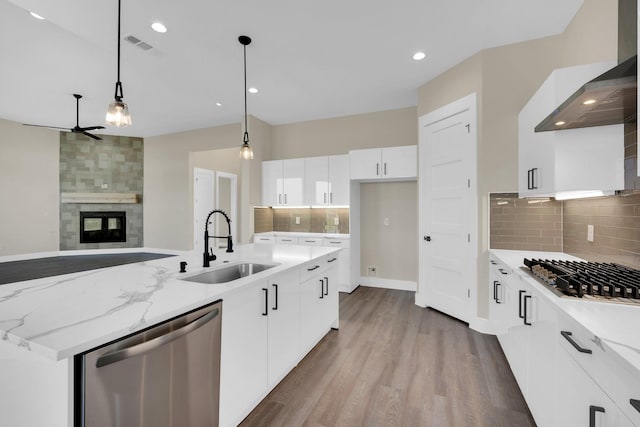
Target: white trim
233,214
482,325
348,288
377,282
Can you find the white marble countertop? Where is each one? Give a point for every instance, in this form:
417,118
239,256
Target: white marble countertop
615,324
60,316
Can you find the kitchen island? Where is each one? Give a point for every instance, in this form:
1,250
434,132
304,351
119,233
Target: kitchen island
45,322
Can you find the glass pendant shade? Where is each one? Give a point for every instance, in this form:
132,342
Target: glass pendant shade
118,114
246,153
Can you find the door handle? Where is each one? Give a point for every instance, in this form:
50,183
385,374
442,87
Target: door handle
567,336
285,198
332,259
326,283
385,168
592,414
275,307
331,197
321,288
533,179
426,238
325,197
520,315
145,347
377,169
529,179
525,310
495,291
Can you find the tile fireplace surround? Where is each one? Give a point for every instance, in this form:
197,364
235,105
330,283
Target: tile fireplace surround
113,165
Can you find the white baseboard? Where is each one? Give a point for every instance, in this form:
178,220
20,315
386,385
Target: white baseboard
377,282
482,325
348,287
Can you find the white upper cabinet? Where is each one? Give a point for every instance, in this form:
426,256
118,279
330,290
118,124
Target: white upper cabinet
393,163
326,181
282,182
572,160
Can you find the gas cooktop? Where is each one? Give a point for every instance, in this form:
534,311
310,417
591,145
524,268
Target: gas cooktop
599,281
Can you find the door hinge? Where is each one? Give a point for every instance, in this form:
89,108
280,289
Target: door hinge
468,126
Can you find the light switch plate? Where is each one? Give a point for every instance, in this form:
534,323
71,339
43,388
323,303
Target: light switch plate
589,233
297,220
336,221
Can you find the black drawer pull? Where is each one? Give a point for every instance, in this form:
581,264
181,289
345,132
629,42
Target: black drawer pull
592,414
321,288
567,336
266,302
313,268
534,186
332,259
502,271
635,403
495,290
520,315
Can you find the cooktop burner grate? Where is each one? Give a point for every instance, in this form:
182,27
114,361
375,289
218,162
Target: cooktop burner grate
590,280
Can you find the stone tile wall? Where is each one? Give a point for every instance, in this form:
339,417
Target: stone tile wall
113,165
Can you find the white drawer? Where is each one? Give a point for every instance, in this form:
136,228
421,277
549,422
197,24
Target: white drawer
313,268
310,241
586,349
628,390
287,240
335,242
263,239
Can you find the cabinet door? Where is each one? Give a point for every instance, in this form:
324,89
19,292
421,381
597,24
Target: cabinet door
284,326
293,182
581,398
316,181
365,164
542,369
518,353
312,322
339,182
330,301
400,162
272,183
243,362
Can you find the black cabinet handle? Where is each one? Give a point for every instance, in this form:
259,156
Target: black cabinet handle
525,310
332,259
502,271
313,268
275,306
326,284
520,315
266,302
533,179
377,169
567,336
497,294
321,288
592,414
635,403
529,179
331,197
495,290
385,168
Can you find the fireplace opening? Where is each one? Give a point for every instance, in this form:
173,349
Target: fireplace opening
103,227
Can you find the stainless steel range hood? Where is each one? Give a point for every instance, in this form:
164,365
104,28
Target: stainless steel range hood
611,97
606,100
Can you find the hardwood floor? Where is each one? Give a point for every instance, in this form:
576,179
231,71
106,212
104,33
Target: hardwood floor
395,364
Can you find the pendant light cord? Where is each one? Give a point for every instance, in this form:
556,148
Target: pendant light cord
246,133
119,93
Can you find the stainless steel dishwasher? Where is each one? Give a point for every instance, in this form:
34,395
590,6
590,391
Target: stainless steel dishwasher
165,376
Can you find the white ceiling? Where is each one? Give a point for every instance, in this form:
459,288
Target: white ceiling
309,59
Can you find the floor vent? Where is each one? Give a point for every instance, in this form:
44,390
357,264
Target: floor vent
137,42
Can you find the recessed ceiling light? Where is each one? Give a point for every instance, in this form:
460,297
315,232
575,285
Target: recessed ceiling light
35,15
253,90
589,102
159,27
560,123
418,56
218,104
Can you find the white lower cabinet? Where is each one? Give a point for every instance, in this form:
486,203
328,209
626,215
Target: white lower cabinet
243,362
267,328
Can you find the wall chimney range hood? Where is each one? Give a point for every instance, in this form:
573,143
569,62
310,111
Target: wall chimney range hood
606,100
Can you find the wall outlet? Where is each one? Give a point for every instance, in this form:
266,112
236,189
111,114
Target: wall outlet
104,186
336,221
589,233
372,270
297,220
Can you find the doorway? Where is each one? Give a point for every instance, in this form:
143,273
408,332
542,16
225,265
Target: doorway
227,201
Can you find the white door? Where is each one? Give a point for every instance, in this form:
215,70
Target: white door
272,183
227,201
399,162
293,181
339,182
365,164
316,181
447,209
202,203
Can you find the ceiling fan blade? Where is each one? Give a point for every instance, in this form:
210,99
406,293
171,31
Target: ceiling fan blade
45,126
92,128
90,135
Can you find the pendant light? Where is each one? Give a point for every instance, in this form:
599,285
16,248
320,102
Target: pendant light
246,153
118,112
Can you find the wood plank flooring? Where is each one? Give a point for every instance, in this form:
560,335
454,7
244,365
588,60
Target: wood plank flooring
395,364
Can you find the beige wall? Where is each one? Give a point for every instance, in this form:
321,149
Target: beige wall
29,189
392,248
504,79
341,134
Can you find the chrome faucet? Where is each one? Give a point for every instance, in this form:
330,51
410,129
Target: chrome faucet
208,252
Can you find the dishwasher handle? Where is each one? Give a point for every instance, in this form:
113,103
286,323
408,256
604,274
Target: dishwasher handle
145,347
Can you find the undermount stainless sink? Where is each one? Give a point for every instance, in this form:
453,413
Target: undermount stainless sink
229,273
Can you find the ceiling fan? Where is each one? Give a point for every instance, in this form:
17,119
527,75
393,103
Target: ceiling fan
76,128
